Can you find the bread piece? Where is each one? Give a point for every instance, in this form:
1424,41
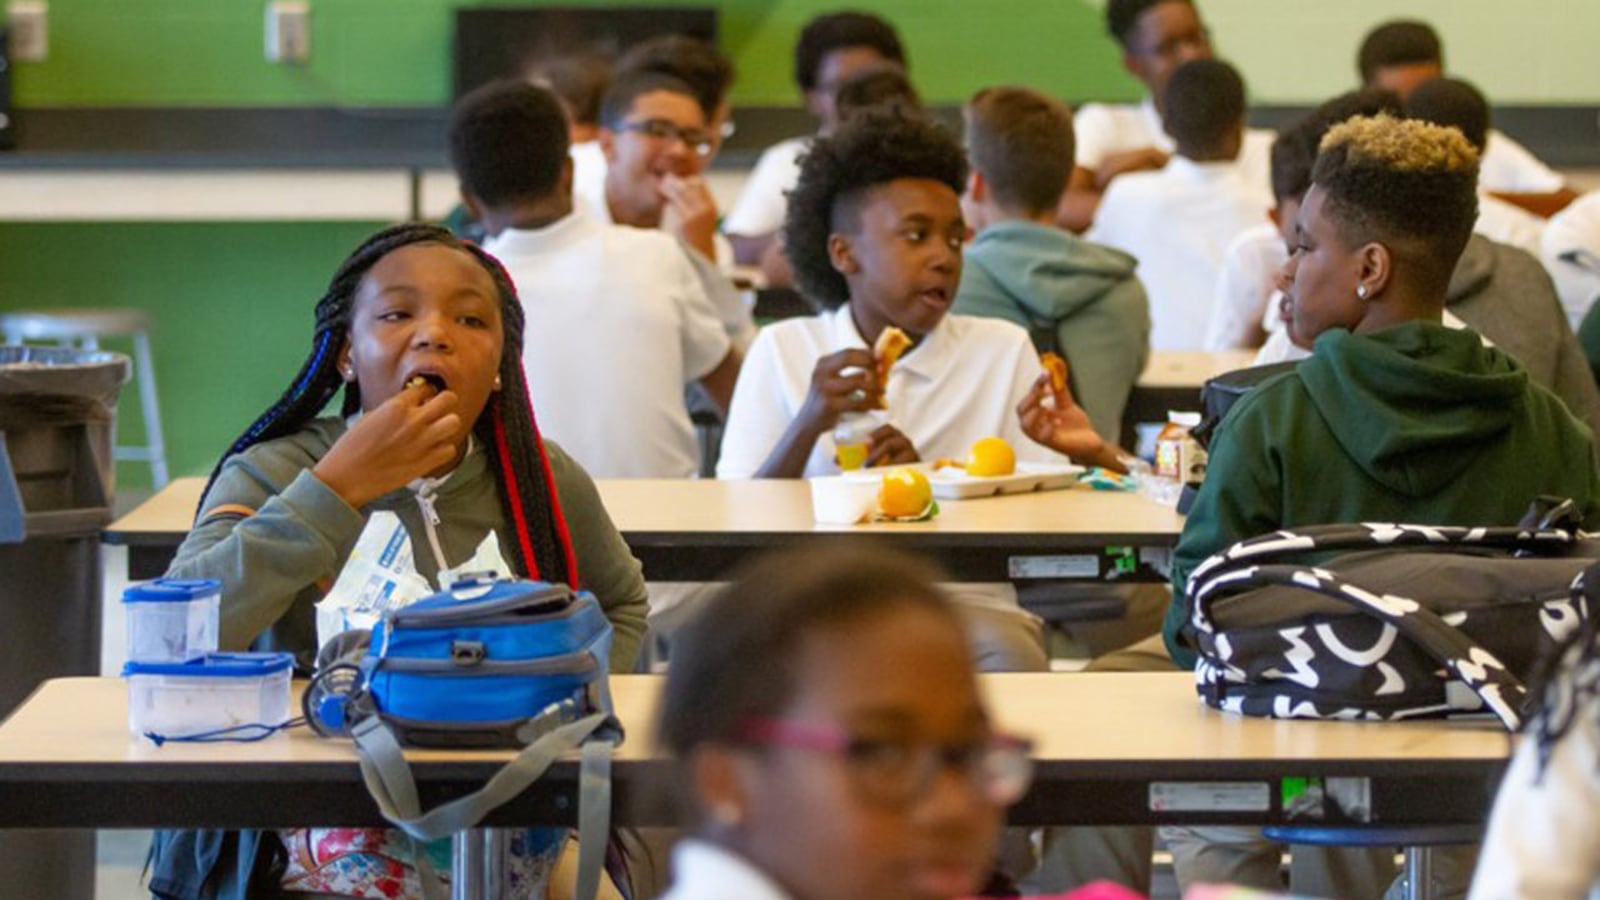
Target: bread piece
891,343
1057,367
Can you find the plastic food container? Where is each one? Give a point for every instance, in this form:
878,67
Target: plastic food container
844,499
216,691
172,620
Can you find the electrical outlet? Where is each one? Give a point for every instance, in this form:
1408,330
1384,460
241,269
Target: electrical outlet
29,23
288,31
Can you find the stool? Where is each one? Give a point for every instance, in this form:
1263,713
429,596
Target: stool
84,328
1418,842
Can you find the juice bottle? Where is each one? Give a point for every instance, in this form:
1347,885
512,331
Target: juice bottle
1179,456
850,440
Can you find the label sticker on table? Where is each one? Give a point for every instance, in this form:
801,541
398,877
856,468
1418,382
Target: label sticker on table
1075,566
1210,796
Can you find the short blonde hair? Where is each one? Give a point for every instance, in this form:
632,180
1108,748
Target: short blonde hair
1401,181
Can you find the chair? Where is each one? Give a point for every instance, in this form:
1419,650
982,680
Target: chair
84,328
1418,842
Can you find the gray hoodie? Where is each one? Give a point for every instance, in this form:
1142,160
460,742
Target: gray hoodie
1044,278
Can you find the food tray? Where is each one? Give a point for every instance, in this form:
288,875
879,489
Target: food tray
953,484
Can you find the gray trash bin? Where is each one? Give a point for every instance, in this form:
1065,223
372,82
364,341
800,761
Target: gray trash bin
57,421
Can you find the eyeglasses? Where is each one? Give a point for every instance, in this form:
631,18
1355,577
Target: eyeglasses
898,773
662,130
1194,40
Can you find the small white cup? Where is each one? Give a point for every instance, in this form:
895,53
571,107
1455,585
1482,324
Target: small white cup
843,499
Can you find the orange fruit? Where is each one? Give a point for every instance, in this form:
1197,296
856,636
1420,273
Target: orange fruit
992,456
905,493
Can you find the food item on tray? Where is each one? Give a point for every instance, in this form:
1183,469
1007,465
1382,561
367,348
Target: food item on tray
905,494
991,457
891,343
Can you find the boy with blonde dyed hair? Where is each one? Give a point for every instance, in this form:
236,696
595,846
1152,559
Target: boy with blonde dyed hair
1076,298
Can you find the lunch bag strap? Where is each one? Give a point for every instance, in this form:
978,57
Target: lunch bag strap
1501,691
389,779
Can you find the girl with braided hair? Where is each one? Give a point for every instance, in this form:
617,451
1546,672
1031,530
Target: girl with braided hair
424,335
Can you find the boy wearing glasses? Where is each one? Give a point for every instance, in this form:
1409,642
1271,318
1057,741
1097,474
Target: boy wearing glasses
1156,36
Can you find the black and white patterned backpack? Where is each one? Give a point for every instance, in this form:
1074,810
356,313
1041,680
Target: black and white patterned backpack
1403,621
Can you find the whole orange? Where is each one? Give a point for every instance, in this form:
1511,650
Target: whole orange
905,493
992,456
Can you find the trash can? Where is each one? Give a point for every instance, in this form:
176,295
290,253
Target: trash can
57,422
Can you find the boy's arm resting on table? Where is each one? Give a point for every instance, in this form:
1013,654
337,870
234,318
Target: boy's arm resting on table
606,567
1241,497
296,536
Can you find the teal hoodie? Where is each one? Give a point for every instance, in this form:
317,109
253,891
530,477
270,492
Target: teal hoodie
1042,277
1417,423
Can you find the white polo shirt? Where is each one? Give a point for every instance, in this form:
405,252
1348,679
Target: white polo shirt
1247,293
1178,222
589,180
1102,129
1571,251
1506,223
764,201
1510,168
616,326
961,383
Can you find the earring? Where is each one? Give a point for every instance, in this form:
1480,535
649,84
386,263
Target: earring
497,382
1361,291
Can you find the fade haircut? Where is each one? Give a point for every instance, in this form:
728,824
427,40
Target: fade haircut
1404,183
874,147
540,546
739,658
1294,151
1021,141
1398,43
839,31
508,142
579,79
696,63
1453,102
1204,105
1122,17
629,86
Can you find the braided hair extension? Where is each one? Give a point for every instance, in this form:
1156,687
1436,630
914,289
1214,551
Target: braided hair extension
507,429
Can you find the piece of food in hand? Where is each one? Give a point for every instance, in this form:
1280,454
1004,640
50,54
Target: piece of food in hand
992,457
906,494
1057,367
891,343
428,380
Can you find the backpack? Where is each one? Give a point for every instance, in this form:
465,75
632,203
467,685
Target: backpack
1405,621
484,664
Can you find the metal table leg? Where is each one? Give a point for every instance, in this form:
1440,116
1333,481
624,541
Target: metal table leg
479,864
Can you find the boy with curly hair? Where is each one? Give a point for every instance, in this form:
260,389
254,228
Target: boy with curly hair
874,233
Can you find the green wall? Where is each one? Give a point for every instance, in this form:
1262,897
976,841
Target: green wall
231,306
397,52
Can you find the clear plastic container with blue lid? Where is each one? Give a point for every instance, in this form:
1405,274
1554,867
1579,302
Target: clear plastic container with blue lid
172,619
214,692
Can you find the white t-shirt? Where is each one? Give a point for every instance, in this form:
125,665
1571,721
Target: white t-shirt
764,201
1178,222
616,326
1505,223
705,871
589,180
1279,348
1508,167
1102,129
1570,249
1247,293
961,383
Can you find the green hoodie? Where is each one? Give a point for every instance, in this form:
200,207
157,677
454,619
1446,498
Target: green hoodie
1041,277
1417,423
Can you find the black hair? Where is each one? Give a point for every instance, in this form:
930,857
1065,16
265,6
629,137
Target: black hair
1203,106
579,79
1398,43
737,659
1406,183
1021,141
874,147
541,547
1453,102
508,142
696,63
839,31
883,86
1122,17
629,86
1294,152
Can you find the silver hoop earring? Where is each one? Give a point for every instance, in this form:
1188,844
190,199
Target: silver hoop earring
1361,291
